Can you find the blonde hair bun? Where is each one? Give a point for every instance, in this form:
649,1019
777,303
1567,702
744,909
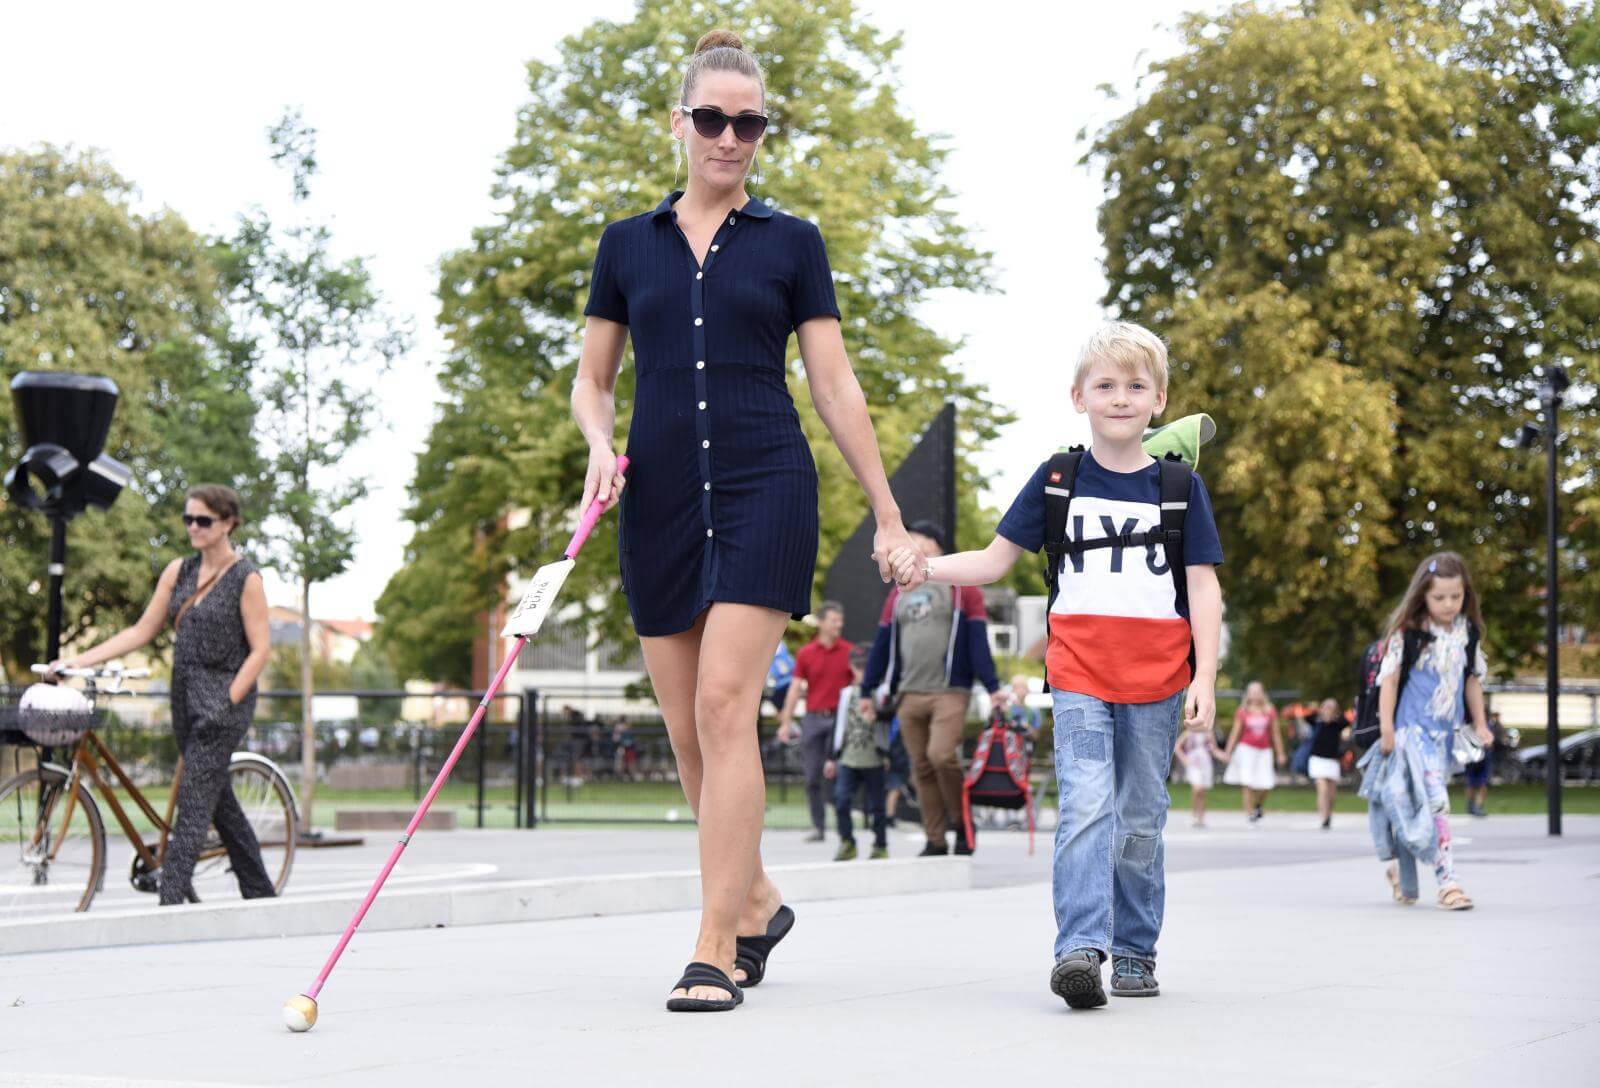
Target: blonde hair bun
718,39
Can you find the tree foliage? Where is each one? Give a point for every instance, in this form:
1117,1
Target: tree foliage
592,146
322,338
1362,235
88,284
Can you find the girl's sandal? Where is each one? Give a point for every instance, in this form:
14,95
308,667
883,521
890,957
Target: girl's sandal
1453,898
1393,875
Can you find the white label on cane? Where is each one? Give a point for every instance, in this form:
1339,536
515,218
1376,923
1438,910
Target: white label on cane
535,604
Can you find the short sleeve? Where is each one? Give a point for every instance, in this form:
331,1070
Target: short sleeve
1023,524
811,294
1392,656
802,661
1480,664
605,294
1201,545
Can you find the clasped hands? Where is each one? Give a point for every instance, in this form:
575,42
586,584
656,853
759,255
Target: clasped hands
898,559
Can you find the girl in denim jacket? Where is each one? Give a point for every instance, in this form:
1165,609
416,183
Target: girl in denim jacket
1439,691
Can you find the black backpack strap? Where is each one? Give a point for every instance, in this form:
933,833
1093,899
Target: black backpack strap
1413,640
1176,480
1060,478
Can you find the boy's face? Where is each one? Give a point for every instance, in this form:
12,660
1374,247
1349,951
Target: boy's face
1119,404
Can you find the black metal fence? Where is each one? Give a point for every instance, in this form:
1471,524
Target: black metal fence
560,756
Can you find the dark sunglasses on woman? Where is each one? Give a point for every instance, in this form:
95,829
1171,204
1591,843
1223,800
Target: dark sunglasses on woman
205,521
711,123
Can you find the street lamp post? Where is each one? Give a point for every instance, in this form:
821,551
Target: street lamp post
1550,393
1555,384
64,420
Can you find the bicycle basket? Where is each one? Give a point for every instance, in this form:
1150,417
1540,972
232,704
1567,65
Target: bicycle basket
51,718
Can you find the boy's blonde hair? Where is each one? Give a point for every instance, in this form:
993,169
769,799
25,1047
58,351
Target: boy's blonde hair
1128,347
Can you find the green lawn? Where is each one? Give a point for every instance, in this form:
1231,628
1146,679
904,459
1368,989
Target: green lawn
648,802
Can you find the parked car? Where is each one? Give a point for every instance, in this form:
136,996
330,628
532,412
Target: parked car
1580,759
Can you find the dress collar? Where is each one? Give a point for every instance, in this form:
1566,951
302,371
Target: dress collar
753,208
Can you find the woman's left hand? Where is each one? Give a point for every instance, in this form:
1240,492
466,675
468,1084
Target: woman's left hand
891,535
1485,737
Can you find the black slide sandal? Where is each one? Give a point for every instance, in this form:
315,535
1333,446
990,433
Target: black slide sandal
753,951
705,974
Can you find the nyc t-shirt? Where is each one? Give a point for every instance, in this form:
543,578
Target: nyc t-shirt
1115,629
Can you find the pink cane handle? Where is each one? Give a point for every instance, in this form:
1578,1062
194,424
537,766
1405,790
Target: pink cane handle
596,508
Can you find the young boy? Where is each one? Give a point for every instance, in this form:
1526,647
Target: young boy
860,756
1118,660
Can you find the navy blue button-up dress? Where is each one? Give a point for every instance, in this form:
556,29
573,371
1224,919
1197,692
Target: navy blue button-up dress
721,503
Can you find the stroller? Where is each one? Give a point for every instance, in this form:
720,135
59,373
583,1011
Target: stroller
998,776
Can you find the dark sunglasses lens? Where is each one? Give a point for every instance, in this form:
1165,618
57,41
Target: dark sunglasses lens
749,127
709,122
197,519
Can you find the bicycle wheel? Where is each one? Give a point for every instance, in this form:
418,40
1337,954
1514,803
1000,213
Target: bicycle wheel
269,805
52,845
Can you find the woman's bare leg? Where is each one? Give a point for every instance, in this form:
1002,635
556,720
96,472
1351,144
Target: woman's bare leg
708,682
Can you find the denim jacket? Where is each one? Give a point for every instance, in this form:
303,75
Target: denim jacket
1397,803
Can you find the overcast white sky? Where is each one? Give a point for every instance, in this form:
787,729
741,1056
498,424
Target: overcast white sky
415,106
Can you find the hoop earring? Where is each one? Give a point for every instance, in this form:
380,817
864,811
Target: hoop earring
755,161
678,164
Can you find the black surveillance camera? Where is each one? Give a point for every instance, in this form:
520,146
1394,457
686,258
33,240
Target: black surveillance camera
1528,436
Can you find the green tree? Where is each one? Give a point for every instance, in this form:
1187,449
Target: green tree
88,284
592,146
1362,236
323,336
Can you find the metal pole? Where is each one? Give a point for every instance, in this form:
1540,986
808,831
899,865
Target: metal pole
58,570
529,749
480,738
1552,683
542,777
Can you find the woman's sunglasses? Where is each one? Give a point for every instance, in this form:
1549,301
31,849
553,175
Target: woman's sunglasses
711,122
203,520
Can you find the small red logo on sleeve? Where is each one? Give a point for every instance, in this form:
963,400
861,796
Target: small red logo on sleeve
1055,477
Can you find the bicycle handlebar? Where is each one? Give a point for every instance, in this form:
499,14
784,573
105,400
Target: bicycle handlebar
108,671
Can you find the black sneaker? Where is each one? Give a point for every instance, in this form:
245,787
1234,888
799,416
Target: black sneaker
1132,977
934,850
1076,979
964,845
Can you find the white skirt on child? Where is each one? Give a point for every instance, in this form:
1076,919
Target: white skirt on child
1199,772
1324,768
1251,767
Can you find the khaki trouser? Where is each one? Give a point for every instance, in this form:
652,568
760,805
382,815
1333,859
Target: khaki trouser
930,725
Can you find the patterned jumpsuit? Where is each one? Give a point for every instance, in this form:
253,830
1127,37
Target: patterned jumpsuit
211,648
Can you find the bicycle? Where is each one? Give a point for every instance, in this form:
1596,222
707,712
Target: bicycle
53,852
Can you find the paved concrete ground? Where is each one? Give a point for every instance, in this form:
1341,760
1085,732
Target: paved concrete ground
1295,968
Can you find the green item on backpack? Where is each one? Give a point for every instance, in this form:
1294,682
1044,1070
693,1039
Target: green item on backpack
1183,437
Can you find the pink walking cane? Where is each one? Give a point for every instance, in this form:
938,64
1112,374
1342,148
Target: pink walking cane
300,1011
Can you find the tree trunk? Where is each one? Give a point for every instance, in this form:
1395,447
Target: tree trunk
308,724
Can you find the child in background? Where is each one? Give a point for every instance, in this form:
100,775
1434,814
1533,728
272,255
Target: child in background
1328,729
860,758
1430,688
1256,736
1195,749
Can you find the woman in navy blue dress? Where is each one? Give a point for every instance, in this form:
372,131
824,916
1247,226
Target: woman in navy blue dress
718,526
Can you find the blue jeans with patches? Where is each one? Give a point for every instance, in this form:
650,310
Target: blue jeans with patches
1109,882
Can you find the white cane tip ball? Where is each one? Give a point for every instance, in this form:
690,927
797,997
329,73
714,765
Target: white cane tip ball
299,1013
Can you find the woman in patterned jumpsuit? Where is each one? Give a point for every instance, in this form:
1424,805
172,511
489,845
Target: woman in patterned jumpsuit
219,604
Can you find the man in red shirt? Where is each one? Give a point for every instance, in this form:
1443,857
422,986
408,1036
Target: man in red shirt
821,672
